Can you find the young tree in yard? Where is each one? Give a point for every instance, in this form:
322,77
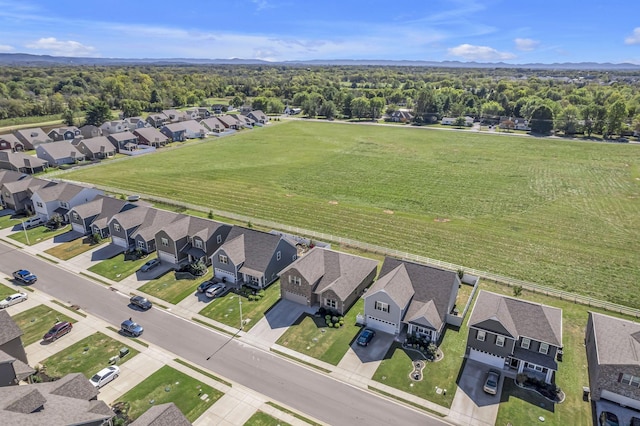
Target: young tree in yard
460,122
568,120
615,116
275,106
329,110
541,120
360,107
98,113
377,105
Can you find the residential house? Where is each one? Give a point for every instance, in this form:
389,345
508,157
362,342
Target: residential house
157,120
93,217
59,198
448,121
14,365
190,239
258,116
65,133
521,124
151,136
124,141
401,116
174,131
113,127
218,108
137,228
90,131
21,162
203,113
515,335
59,153
134,123
7,176
173,116
162,415
244,121
406,294
71,400
328,279
98,148
613,359
31,138
16,195
251,257
191,114
10,142
212,124
291,111
229,122
193,129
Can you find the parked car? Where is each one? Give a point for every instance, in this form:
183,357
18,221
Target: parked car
365,337
608,419
25,276
215,290
491,382
205,286
104,376
140,302
58,330
32,222
150,265
13,299
131,328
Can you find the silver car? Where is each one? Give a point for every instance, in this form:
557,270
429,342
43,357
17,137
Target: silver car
491,382
13,299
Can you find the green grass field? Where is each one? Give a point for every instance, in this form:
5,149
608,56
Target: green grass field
117,269
559,213
168,288
35,322
70,249
38,234
263,419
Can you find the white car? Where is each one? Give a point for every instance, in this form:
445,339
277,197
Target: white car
215,290
13,299
104,376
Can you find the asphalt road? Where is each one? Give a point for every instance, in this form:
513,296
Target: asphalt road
310,392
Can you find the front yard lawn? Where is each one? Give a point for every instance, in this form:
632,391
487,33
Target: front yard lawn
170,385
66,251
6,221
168,288
312,337
395,368
88,356
38,234
117,268
263,419
35,322
227,309
6,291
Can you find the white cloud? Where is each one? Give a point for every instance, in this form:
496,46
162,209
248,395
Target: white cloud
479,53
261,4
634,38
526,44
60,47
4,48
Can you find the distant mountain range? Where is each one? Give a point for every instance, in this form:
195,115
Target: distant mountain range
40,60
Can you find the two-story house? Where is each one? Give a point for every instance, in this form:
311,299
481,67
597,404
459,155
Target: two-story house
613,359
157,120
252,258
151,136
10,142
137,228
65,133
16,195
59,198
515,335
31,138
113,127
327,278
21,162
124,141
98,148
14,365
59,153
93,217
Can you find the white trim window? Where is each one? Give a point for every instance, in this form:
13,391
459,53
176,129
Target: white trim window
141,244
219,239
164,242
525,343
197,244
278,255
331,303
293,279
223,259
381,306
481,336
75,216
630,380
116,227
544,348
500,341
39,204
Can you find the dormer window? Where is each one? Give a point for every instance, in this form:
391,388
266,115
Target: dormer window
525,343
544,348
481,336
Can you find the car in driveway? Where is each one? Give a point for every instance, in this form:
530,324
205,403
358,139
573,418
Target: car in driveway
104,376
13,299
365,337
25,276
205,286
150,265
215,290
140,302
491,382
131,328
32,222
59,329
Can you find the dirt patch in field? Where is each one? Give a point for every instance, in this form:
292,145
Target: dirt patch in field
388,211
288,195
441,219
333,202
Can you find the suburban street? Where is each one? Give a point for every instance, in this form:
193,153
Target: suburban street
308,391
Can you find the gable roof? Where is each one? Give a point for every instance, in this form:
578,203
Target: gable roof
98,144
9,330
254,248
174,127
122,136
617,341
10,176
228,120
27,183
33,135
212,123
162,415
61,191
153,221
186,225
102,206
151,134
11,139
258,114
20,160
519,318
60,149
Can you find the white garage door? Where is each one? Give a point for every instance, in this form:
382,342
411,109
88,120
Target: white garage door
166,257
485,358
381,325
622,400
120,242
228,276
298,298
77,227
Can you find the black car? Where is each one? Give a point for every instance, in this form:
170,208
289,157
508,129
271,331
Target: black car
58,330
25,276
365,337
205,286
140,302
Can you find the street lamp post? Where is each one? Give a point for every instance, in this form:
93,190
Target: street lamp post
26,236
240,303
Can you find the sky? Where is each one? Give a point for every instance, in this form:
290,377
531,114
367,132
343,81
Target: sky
540,31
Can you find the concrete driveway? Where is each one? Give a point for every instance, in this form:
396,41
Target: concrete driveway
471,405
364,360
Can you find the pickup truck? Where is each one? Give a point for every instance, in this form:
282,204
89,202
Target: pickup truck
131,328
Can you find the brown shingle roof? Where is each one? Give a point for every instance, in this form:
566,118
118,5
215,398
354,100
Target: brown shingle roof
9,330
162,415
617,340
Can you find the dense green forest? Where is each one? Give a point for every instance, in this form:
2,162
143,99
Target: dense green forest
569,102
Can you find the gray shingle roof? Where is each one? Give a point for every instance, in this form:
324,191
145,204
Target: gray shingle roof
7,176
254,248
151,134
19,160
34,135
154,221
122,136
519,318
61,191
617,340
162,415
25,401
9,330
61,149
12,139
28,183
73,385
97,144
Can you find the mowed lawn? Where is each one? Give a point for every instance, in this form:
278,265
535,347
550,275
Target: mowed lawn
6,291
70,249
263,419
559,213
88,356
37,235
117,268
168,288
35,322
170,385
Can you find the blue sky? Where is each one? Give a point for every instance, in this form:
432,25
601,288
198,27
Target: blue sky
276,30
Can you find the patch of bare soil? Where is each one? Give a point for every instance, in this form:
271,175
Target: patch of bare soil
388,211
333,202
441,219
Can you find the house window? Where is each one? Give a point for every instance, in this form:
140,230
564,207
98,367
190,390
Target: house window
381,306
278,255
198,244
500,341
223,259
219,239
295,280
544,348
294,257
75,216
331,303
630,380
64,205
116,227
481,335
525,343
255,280
164,241
39,204
141,244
